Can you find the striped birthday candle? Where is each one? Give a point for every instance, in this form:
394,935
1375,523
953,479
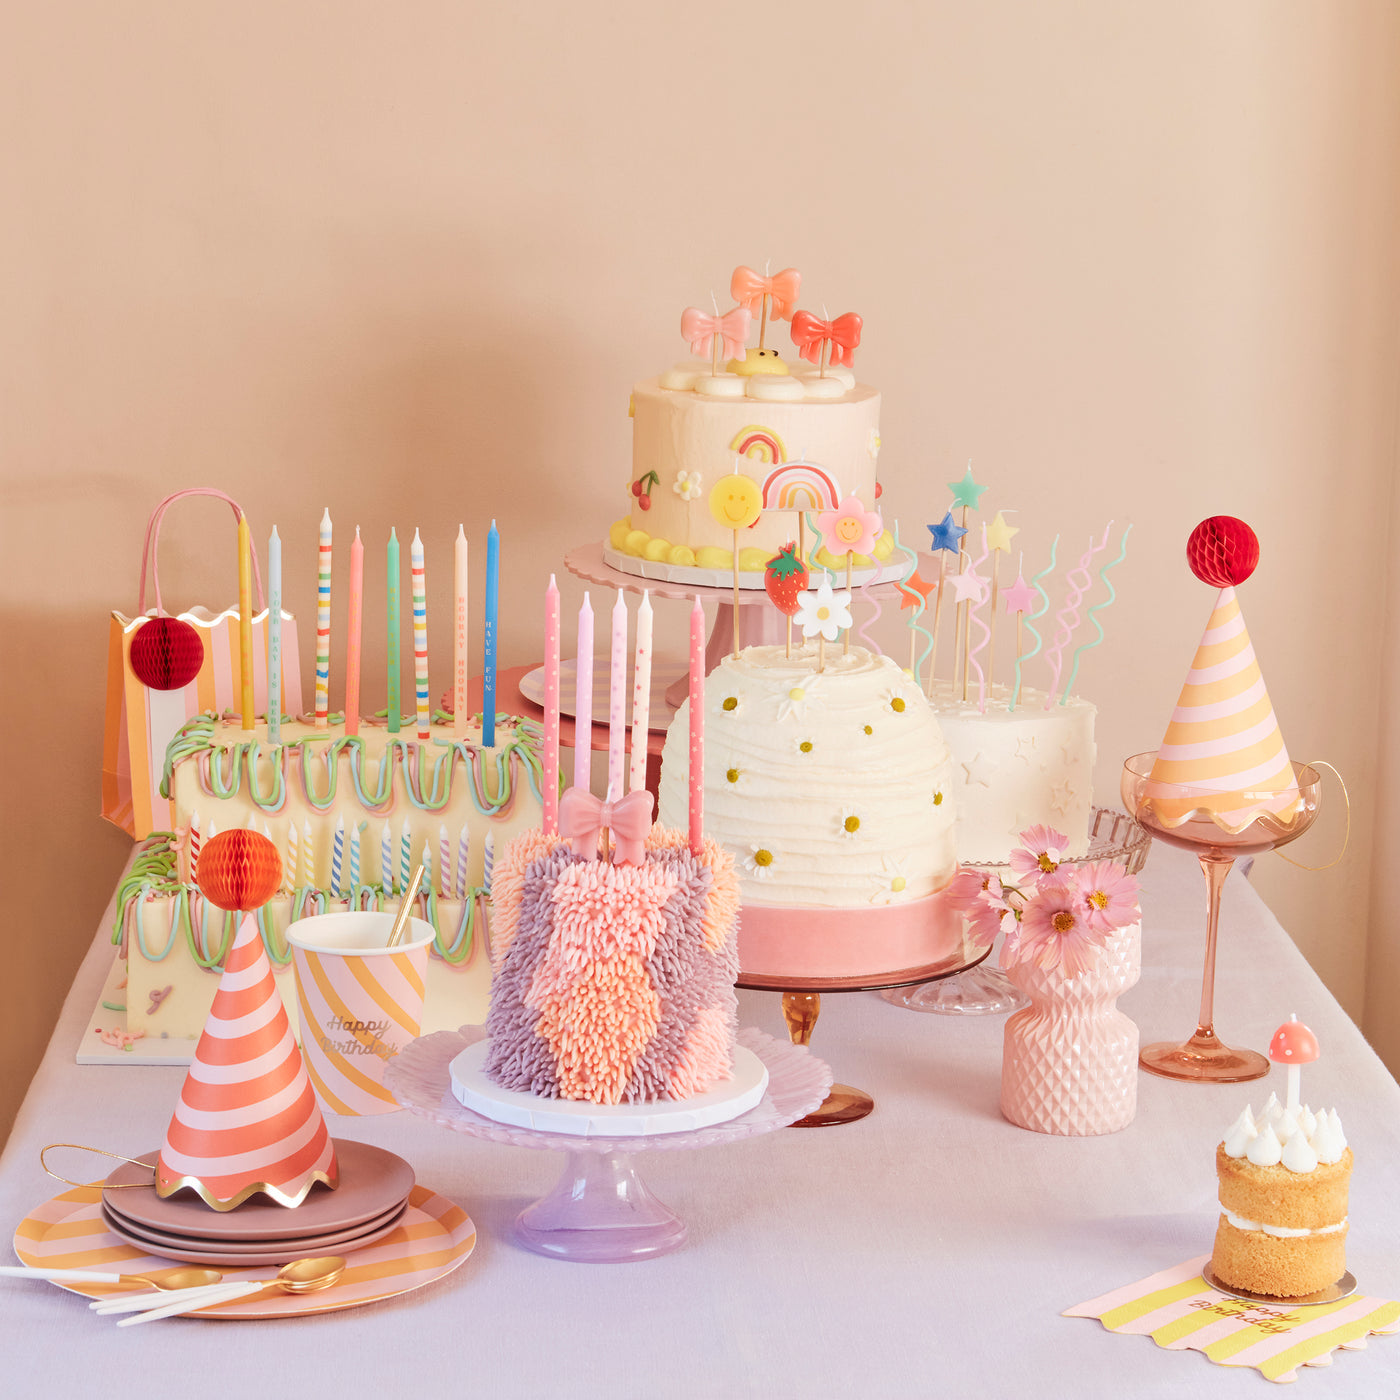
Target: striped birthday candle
386,861
405,857
355,855
489,864
444,864
323,624
464,845
308,855
337,854
420,635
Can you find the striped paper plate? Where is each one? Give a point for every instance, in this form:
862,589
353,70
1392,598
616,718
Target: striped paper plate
435,1236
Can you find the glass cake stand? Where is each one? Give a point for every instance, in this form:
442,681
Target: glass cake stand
600,1210
802,1004
1203,1058
986,990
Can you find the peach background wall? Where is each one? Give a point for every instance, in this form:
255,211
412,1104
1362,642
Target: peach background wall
1132,259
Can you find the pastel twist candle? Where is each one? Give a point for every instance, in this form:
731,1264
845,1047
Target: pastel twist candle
420,636
323,624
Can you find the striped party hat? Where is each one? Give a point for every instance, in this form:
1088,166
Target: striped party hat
1223,741
247,1120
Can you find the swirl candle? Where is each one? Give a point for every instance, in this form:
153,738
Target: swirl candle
245,621
323,624
395,708
355,617
292,869
550,821
617,699
308,854
405,857
641,697
697,728
274,638
386,861
337,854
444,864
488,680
355,856
464,845
193,841
461,660
420,636
489,864
583,699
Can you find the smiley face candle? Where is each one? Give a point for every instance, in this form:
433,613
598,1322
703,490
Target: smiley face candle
736,503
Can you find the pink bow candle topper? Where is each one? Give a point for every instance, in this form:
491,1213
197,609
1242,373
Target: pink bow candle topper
713,334
764,296
583,818
1293,1045
826,342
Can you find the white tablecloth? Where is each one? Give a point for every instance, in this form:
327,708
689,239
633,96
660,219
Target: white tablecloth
927,1250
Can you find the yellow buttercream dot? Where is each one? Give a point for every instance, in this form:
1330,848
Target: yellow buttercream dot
681,554
618,532
635,543
884,546
898,883
805,746
657,549
762,857
731,702
897,704
732,776
938,799
797,693
753,560
869,728
712,557
852,823
828,560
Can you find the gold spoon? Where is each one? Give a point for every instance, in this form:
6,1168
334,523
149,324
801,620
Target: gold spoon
300,1276
406,907
167,1280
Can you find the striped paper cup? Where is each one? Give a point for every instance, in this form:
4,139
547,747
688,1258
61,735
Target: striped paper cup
359,1002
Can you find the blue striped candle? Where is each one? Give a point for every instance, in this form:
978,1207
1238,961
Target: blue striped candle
405,857
337,854
386,862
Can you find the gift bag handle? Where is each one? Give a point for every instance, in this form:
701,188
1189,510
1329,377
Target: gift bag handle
148,549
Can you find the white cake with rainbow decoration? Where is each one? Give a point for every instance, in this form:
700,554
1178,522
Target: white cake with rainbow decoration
351,804
698,422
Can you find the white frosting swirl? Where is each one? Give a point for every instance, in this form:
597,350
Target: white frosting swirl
1297,1137
1298,1156
1239,1137
1265,1150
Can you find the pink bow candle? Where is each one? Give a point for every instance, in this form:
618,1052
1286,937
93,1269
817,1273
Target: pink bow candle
816,340
724,335
582,817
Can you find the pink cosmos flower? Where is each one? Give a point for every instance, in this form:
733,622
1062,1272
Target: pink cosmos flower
1055,932
850,528
1043,849
1110,895
968,894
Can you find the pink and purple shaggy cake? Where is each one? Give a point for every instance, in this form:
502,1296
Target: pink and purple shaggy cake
613,983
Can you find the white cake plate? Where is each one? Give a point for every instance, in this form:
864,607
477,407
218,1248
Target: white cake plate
472,1089
600,1210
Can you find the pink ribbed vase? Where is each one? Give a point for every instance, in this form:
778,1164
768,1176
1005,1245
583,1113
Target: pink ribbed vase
1069,1065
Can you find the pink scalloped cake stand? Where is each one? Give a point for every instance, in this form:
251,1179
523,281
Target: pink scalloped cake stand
600,1211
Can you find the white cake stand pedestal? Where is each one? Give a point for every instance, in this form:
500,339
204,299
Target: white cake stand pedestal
600,1210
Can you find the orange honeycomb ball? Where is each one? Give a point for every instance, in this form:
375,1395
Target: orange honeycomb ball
239,870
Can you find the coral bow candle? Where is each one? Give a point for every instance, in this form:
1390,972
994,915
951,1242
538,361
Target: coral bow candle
816,339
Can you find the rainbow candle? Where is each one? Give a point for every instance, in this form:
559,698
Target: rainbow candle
551,708
274,638
641,697
464,845
386,861
355,856
583,699
356,616
617,699
444,864
245,621
337,854
323,624
488,680
395,710
461,660
697,728
420,636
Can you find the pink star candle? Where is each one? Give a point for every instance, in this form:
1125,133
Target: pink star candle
583,698
245,621
323,624
420,636
551,708
697,728
356,616
617,699
461,663
641,697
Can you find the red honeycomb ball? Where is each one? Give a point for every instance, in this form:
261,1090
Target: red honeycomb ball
1222,551
166,653
239,869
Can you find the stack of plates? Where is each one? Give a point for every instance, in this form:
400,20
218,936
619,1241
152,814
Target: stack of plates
366,1206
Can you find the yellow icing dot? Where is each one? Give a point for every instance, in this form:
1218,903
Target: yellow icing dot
681,554
656,549
805,746
852,823
732,776
731,702
635,542
797,693
618,532
869,728
712,557
762,857
897,705
938,799
753,560
898,883
884,546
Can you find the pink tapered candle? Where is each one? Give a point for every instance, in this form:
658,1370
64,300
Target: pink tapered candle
583,698
641,697
461,661
617,700
697,728
551,708
356,615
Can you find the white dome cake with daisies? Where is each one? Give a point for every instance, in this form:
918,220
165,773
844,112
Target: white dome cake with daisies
830,788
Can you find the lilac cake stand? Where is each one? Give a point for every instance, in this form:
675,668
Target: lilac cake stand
600,1210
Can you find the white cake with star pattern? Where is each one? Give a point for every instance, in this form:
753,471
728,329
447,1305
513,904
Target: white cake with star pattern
830,787
1017,768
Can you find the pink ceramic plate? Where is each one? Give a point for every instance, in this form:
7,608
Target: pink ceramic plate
159,1239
